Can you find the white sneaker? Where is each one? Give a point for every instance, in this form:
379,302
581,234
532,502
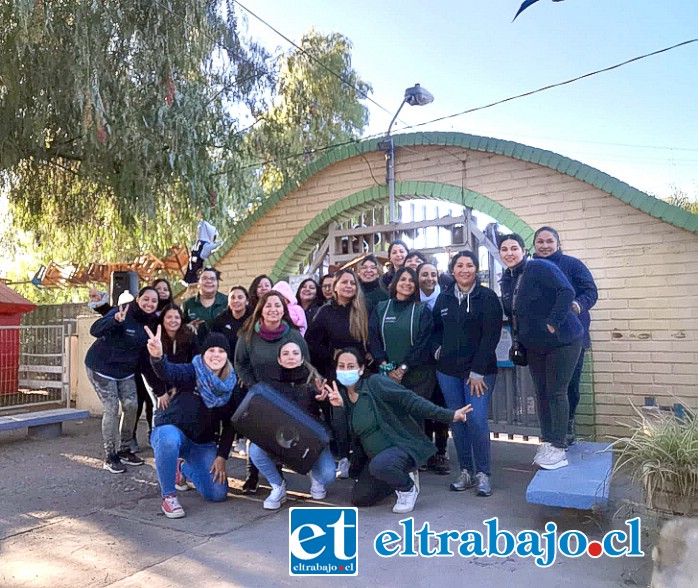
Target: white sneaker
343,468
553,459
317,490
276,498
406,500
542,450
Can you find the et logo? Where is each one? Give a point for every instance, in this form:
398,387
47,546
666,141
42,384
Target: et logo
323,541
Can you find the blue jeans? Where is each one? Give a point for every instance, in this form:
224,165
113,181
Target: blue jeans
169,444
392,466
323,469
473,436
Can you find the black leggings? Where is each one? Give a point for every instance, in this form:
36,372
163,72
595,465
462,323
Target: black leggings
144,400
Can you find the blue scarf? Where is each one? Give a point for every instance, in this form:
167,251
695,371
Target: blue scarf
214,391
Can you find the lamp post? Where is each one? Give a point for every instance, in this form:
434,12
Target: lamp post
414,96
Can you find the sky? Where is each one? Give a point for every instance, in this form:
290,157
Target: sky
638,122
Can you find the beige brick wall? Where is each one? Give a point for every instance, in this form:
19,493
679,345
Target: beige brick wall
645,325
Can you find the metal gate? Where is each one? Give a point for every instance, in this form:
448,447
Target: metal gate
34,365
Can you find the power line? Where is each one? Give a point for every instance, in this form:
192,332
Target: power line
551,86
313,58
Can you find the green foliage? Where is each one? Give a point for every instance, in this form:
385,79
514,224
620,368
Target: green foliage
662,452
313,108
116,121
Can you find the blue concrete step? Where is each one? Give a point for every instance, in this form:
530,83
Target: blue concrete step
44,423
582,485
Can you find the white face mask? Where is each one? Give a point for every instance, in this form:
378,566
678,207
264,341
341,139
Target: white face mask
348,377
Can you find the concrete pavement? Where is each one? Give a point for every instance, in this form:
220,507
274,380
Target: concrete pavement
64,522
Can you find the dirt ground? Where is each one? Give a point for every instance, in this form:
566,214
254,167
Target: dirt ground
65,522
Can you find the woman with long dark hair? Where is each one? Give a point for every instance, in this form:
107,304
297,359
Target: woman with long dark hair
310,299
258,288
399,335
232,319
397,253
111,364
467,328
546,243
538,298
164,293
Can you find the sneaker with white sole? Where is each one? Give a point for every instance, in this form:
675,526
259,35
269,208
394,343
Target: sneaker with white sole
181,482
543,448
484,488
462,482
130,458
276,498
317,490
343,468
553,459
172,508
113,464
406,500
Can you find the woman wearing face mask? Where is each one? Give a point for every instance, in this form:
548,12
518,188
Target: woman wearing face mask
386,418
111,364
231,320
193,436
341,323
467,328
258,288
257,352
397,252
429,290
301,384
399,334
310,298
546,243
538,297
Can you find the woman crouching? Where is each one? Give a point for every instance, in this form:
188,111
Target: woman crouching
301,384
386,417
186,440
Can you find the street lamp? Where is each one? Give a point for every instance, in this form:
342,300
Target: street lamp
414,96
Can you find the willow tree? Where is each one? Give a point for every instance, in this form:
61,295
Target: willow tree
117,120
317,103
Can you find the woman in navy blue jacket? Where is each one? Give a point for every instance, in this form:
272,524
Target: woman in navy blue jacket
192,437
467,328
538,297
546,243
111,364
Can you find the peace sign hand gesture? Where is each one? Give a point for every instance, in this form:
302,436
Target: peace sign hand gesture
120,316
333,395
154,342
462,413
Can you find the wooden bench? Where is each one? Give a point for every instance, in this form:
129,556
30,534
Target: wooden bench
44,424
583,484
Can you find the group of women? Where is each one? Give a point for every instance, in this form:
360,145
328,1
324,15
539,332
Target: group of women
387,361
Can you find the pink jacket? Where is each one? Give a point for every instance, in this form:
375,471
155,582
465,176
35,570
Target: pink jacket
294,309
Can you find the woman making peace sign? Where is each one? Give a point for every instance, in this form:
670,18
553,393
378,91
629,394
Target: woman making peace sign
186,438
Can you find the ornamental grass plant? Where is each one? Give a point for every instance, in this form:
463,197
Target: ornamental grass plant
661,451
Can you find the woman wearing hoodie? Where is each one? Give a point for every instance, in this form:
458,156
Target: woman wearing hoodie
295,310
467,328
546,243
538,297
400,334
111,364
193,435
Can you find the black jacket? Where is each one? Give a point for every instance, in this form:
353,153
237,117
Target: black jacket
227,324
467,332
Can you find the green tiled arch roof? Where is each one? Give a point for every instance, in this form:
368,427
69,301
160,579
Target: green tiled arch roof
366,199
624,192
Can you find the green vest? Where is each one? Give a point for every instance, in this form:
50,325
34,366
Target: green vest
399,326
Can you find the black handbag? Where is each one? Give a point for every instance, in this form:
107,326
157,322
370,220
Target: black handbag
517,352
